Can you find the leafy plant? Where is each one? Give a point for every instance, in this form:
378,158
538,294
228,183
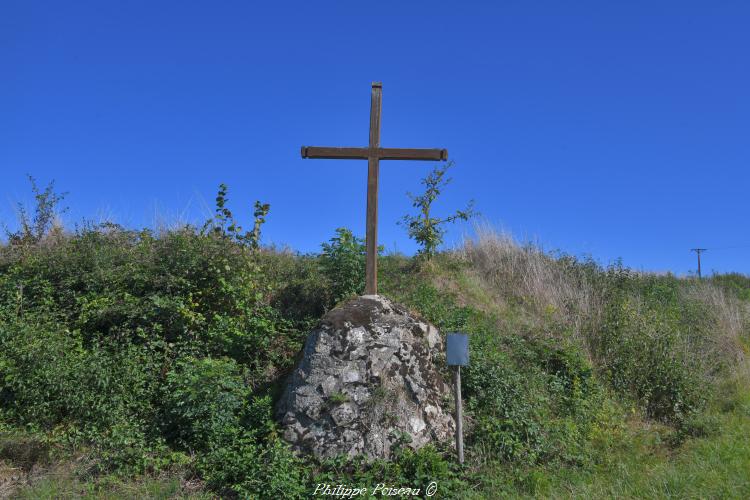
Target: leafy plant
34,228
426,230
260,213
642,354
224,224
150,353
204,399
343,264
338,398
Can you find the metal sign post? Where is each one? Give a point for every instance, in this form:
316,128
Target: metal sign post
457,354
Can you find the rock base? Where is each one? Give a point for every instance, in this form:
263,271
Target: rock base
367,380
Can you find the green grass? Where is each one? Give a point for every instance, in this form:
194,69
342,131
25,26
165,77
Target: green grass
710,467
640,463
64,487
159,358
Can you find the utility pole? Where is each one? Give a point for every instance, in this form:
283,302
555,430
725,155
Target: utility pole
698,252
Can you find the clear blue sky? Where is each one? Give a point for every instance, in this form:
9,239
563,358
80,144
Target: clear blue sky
616,129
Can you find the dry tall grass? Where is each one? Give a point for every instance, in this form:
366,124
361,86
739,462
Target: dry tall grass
526,273
574,294
731,318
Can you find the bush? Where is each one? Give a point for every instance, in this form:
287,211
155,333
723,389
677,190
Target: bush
253,462
343,264
299,288
204,400
531,400
408,468
737,283
49,379
45,219
426,230
506,408
643,355
153,350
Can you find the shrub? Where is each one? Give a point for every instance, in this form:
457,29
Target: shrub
253,462
407,468
224,225
204,400
298,288
50,382
343,264
643,355
44,221
506,409
426,230
531,400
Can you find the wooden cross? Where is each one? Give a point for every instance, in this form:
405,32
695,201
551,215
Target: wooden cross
373,154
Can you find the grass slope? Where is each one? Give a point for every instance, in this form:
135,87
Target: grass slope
135,364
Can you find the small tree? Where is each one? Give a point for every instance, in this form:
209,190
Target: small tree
223,223
261,210
426,230
34,228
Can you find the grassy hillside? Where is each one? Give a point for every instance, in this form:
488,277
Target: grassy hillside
142,364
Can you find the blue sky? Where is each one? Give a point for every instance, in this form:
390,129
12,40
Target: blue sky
616,129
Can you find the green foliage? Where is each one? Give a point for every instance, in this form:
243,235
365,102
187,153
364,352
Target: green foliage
150,353
300,292
102,396
141,346
736,283
253,470
507,412
407,468
439,308
640,353
204,399
343,264
34,228
338,398
530,400
533,402
260,213
426,230
251,461
223,224
49,379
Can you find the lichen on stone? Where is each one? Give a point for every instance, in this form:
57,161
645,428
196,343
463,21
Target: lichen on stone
367,378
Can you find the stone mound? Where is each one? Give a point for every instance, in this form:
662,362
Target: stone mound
367,380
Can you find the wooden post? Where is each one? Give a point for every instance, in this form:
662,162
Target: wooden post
698,251
459,418
373,154
373,168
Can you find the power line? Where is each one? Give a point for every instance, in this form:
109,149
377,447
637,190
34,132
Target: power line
734,247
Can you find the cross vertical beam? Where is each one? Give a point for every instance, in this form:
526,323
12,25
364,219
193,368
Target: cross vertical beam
373,171
373,153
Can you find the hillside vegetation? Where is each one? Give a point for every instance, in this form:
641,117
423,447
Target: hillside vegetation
146,364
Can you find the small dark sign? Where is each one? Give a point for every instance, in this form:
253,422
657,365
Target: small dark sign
457,349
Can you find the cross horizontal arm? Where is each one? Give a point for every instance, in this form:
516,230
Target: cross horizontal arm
413,154
380,153
335,153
